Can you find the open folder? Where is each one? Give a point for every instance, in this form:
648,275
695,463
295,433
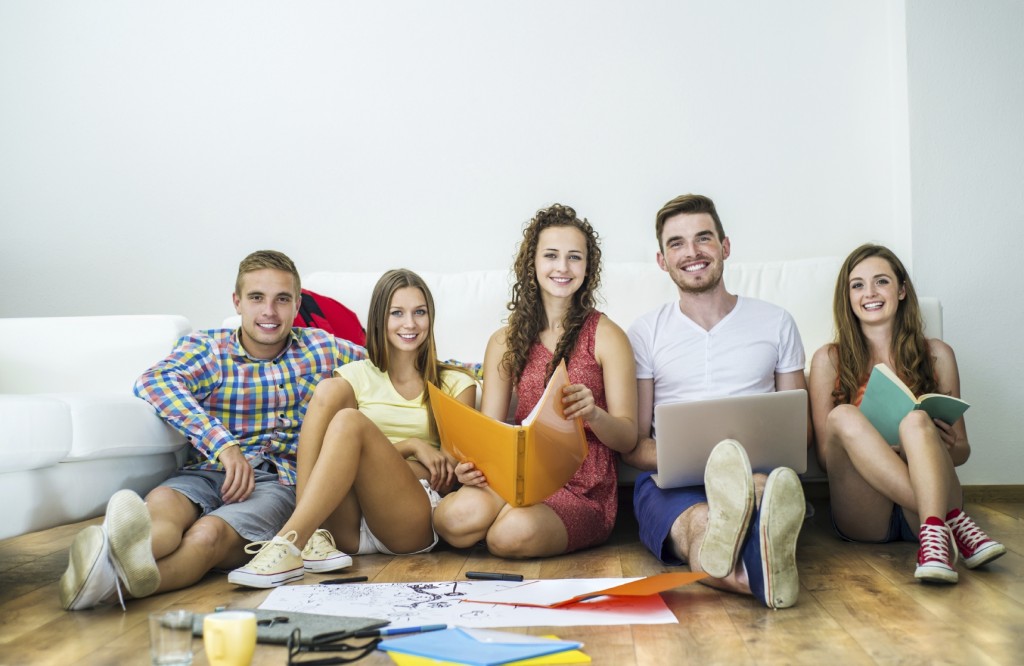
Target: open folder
524,464
556,593
481,647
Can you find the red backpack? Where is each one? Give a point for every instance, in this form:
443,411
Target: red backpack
318,311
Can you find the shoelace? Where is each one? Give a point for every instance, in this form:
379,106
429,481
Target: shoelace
120,595
967,531
318,548
257,547
935,543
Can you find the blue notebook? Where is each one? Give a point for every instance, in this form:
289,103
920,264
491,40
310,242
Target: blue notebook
480,647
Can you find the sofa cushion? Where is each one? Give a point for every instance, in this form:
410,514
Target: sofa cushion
109,425
470,305
35,432
88,354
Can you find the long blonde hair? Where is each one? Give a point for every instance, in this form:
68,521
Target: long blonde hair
427,365
909,352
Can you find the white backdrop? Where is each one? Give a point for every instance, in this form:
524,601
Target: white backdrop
146,147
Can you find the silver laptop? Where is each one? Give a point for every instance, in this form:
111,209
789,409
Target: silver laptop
772,427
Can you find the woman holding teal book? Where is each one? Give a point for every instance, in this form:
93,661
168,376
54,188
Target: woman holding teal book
880,493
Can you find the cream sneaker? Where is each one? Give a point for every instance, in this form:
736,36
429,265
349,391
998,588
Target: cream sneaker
321,554
730,490
129,534
90,577
277,562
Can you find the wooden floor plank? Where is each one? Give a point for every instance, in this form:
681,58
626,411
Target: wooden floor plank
859,604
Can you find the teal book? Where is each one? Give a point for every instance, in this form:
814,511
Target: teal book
887,400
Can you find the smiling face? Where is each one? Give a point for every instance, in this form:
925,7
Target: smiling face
875,293
408,320
560,263
268,302
693,255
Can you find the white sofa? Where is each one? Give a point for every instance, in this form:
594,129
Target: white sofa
71,433
472,304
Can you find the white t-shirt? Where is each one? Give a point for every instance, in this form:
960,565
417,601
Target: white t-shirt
739,356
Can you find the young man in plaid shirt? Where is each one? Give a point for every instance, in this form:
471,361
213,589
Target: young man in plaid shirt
239,397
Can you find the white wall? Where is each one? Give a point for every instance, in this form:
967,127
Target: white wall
146,147
966,83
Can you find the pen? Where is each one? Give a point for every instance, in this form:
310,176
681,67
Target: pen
373,633
487,575
340,581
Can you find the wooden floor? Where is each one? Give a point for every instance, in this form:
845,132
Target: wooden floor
859,604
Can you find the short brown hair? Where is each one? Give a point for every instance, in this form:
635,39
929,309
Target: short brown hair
267,259
687,204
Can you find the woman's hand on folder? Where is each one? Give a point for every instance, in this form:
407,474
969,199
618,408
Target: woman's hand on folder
469,475
578,401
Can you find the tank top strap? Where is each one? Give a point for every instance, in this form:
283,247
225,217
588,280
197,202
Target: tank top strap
588,332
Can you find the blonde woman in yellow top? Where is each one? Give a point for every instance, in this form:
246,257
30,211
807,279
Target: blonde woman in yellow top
369,463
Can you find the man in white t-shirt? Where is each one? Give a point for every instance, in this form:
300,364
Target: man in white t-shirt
741,529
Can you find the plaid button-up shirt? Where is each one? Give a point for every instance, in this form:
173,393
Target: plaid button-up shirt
211,391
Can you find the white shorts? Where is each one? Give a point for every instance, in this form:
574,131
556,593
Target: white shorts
369,544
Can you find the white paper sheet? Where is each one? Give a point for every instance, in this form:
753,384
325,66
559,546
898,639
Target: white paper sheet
410,604
548,592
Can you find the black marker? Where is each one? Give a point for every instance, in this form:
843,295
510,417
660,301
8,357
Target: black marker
487,575
341,581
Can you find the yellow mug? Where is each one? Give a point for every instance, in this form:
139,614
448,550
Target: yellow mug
229,638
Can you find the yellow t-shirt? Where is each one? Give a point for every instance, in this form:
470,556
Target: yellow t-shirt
397,417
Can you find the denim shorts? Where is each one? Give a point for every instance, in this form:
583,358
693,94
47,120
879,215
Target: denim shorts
656,510
899,528
258,518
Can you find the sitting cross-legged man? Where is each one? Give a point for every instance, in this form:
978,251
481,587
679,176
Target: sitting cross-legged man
239,397
741,529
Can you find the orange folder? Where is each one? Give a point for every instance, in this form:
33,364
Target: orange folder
524,464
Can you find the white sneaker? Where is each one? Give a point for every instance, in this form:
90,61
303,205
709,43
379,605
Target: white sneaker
321,554
277,562
129,534
90,577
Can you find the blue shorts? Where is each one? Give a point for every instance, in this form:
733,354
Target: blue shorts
258,518
899,528
656,510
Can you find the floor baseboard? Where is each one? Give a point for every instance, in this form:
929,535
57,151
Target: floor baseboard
1005,493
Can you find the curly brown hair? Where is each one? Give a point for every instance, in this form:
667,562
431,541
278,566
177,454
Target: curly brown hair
910,357
527,318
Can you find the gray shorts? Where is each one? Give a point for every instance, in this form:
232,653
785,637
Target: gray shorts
258,518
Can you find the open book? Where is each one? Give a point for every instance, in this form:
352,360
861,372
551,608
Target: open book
887,400
524,464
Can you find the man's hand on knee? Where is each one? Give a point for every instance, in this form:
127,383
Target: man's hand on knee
239,479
